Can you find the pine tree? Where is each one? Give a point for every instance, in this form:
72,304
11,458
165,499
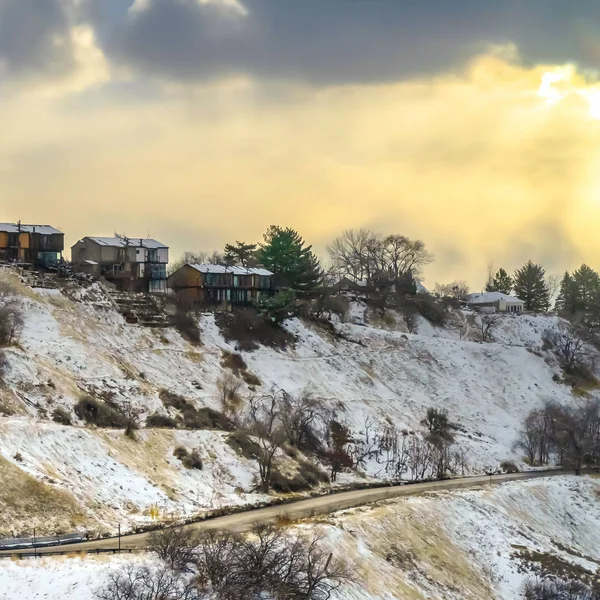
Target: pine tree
567,298
530,286
501,282
587,289
240,254
285,253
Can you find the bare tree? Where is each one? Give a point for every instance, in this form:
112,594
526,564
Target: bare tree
177,547
457,290
265,422
144,583
487,323
553,283
303,418
570,349
365,255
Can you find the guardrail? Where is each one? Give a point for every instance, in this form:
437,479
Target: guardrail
39,542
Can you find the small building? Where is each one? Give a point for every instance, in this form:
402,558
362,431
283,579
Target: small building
131,264
495,302
213,285
39,245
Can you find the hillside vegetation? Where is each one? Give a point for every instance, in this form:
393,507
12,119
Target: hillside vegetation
77,358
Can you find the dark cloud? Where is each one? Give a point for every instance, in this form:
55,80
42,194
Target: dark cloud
338,41
35,37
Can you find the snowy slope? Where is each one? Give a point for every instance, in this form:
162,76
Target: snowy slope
444,546
75,342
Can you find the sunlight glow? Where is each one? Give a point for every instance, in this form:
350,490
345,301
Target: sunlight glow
563,82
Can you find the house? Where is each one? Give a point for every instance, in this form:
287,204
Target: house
221,285
131,264
40,245
495,302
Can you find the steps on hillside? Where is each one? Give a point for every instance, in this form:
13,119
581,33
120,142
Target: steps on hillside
141,309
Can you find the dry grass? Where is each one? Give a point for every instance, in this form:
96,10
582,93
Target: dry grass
24,499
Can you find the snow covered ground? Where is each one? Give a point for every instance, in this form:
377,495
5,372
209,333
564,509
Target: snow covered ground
444,546
76,342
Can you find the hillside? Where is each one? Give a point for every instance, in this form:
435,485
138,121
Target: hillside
468,545
75,343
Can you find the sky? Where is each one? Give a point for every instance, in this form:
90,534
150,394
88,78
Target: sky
469,124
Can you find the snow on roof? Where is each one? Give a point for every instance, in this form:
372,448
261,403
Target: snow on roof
43,229
207,268
118,242
421,289
491,297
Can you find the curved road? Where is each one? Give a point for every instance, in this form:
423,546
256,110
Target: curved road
297,510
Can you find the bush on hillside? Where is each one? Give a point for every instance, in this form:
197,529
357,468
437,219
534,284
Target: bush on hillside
61,415
508,466
180,452
100,414
11,322
243,445
206,418
250,330
160,421
172,400
192,461
186,322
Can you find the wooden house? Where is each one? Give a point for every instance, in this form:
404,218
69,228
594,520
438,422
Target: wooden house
38,245
213,285
131,264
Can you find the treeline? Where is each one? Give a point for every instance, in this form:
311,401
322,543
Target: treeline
564,435
270,562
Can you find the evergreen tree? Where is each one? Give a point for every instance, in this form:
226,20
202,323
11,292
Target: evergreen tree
567,298
285,253
530,286
586,283
240,254
501,282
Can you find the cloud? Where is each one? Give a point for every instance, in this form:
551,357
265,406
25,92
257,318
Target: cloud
45,47
475,163
337,41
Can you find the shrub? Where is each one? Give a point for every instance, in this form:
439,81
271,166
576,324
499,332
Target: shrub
233,361
11,322
508,466
18,457
61,415
192,461
308,477
251,379
250,330
180,452
95,412
3,365
172,400
187,324
160,421
206,418
243,445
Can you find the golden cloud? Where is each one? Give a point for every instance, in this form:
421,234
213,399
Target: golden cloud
495,163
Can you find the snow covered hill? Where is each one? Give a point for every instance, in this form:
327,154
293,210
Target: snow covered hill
75,342
467,545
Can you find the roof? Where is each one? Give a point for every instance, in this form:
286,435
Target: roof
118,242
491,297
207,268
43,229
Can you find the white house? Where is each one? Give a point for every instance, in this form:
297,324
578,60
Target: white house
495,302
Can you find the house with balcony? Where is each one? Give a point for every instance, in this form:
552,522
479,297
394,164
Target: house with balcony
495,302
131,264
220,285
37,245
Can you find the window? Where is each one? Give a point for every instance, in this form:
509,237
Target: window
236,281
208,279
265,282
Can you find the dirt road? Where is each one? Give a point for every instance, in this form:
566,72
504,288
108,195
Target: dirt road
300,509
